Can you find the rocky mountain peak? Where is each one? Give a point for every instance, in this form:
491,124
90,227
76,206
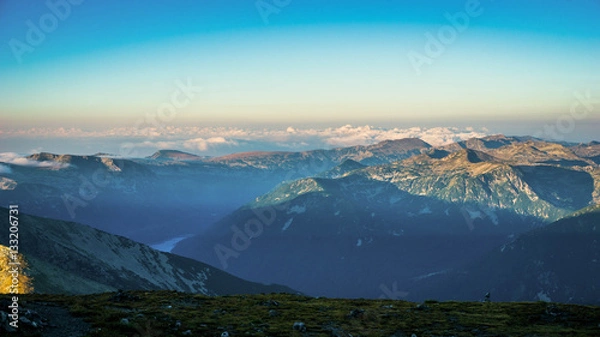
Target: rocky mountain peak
174,155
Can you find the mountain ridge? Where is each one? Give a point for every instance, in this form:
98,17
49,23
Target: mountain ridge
545,264
411,207
70,258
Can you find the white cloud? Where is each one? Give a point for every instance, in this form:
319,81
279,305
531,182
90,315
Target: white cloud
158,144
202,144
219,140
340,136
16,159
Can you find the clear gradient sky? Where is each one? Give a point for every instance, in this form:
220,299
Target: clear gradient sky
106,64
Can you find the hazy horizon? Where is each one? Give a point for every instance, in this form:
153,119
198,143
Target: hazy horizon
83,77
218,141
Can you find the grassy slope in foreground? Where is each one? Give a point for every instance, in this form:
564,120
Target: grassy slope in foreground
158,314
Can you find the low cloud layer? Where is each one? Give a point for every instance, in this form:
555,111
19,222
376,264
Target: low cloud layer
224,140
16,159
202,145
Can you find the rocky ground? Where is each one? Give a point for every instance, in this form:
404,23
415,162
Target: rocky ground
165,313
39,318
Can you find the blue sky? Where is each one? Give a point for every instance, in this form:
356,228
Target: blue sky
514,68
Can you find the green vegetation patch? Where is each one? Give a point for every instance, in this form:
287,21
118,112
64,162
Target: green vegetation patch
167,313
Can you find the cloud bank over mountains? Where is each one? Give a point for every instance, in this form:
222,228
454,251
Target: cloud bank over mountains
224,140
17,159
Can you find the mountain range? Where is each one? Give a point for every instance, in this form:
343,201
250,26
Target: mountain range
125,196
352,231
397,219
559,262
70,258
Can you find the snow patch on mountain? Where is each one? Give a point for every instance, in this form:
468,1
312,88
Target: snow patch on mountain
7,184
425,210
475,214
297,209
422,277
16,159
492,215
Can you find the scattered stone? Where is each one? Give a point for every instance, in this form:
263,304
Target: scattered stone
124,296
553,314
356,313
273,313
225,334
422,306
399,334
299,326
8,328
552,310
26,320
29,320
270,303
33,316
124,321
187,333
5,323
32,323
336,331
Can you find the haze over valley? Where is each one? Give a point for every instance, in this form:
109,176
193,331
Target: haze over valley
300,168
